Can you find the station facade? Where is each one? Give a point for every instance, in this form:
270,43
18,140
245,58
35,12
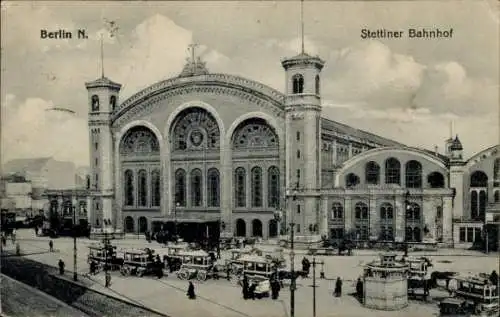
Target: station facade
216,147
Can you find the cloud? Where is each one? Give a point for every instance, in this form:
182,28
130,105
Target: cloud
30,129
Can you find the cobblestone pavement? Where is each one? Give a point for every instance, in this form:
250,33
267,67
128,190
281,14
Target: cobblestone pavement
19,299
223,299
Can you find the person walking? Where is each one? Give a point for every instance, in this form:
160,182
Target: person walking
338,287
61,267
107,279
251,290
359,289
51,246
245,288
275,289
494,278
190,293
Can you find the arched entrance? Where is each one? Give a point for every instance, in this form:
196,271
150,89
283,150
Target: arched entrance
256,228
273,228
129,224
241,228
143,224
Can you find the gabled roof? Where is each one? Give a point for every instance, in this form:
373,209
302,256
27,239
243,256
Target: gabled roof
25,165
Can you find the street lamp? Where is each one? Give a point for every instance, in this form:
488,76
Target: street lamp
278,216
177,205
314,263
75,275
293,286
222,227
407,211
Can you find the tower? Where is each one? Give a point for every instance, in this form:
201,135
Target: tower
457,176
303,137
102,101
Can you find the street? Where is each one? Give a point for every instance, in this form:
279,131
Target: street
222,298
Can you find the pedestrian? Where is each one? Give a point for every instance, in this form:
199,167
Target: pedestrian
251,290
338,287
245,287
275,289
107,279
51,246
4,240
494,278
13,236
306,265
359,289
190,293
61,267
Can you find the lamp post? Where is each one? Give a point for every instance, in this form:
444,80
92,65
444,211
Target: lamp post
177,205
314,263
75,275
293,286
407,210
222,227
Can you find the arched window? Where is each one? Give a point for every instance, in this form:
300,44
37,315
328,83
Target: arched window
256,187
240,187
386,212
372,173
255,133
497,196
196,188
337,211
483,200
213,187
413,212
180,187
95,103
195,129
273,183
435,180
142,189
155,188
317,84
417,235
474,207
361,211
351,180
496,172
413,174
129,188
112,102
392,171
478,179
298,84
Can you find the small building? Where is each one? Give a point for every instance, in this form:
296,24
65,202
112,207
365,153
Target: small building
385,283
62,203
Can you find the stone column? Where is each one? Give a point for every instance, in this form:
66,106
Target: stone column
348,214
374,218
323,219
334,154
447,220
226,179
399,211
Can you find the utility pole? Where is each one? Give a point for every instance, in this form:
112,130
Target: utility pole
314,283
75,274
293,285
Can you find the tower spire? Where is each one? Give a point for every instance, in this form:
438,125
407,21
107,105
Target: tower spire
302,25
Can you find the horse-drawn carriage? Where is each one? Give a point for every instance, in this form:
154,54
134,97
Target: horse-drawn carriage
196,264
257,269
103,255
138,262
171,255
472,295
419,278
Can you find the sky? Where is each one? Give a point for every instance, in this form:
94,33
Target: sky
409,90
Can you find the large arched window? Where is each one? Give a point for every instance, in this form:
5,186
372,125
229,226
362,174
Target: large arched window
351,180
298,83
413,212
255,133
240,187
361,221
386,212
155,188
496,196
273,198
180,187
195,129
496,173
139,140
142,188
478,179
392,171
435,180
372,173
129,188
317,84
196,188
474,206
413,173
483,200
256,186
361,211
213,187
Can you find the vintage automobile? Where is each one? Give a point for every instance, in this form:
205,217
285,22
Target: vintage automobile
419,277
138,262
102,254
479,294
196,264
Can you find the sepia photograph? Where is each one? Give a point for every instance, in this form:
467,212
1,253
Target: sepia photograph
291,158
